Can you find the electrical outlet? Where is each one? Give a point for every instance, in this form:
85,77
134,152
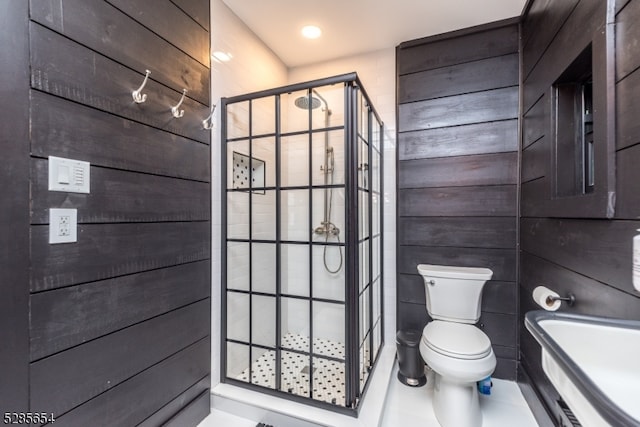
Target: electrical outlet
63,225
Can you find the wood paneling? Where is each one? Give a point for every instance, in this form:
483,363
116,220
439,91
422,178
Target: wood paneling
533,196
574,36
535,14
193,413
535,160
501,261
106,30
495,200
169,22
546,14
620,4
179,404
497,296
100,251
119,196
500,328
628,177
592,297
458,171
487,232
424,55
65,380
486,169
627,41
500,297
627,123
197,9
67,69
535,122
150,390
66,317
14,203
600,249
480,138
67,129
124,314
490,105
476,76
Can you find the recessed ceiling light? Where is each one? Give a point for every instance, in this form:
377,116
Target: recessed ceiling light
311,32
221,56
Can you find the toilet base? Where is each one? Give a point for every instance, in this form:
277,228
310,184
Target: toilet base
456,404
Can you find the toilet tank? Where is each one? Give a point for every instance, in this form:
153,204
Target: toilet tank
454,293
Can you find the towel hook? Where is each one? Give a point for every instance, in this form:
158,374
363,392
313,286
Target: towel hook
207,123
175,109
138,97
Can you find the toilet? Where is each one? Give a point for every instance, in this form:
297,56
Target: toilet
458,352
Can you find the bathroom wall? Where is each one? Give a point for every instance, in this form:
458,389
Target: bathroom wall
458,172
376,71
14,208
238,76
591,256
253,67
123,313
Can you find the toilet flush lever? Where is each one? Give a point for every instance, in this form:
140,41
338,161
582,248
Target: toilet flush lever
431,282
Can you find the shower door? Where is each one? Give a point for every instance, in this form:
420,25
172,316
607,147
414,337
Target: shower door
302,241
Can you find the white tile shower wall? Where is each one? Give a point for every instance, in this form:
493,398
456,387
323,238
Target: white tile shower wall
377,73
253,67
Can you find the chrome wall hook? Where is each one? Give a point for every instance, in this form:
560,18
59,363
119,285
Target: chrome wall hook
175,109
139,97
207,123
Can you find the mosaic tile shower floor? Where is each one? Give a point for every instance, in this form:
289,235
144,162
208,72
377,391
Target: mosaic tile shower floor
328,375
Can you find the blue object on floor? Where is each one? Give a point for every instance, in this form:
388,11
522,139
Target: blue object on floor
484,386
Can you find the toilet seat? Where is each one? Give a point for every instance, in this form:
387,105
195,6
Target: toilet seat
456,340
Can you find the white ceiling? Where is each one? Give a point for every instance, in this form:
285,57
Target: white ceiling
357,26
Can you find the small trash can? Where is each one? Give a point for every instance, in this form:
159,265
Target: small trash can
410,363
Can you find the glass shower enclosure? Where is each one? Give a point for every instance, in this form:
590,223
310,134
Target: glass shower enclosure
302,241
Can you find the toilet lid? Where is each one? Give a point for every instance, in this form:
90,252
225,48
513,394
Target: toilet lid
459,340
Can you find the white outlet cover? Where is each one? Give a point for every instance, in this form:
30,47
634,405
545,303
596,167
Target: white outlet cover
63,225
68,175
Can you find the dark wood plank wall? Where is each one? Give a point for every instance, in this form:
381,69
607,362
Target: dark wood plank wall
458,171
589,257
14,208
113,330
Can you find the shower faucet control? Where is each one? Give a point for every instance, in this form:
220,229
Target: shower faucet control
327,228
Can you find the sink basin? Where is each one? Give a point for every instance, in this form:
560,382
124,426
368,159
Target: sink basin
593,362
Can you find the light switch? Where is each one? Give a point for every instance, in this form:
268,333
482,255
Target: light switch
69,175
63,174
63,225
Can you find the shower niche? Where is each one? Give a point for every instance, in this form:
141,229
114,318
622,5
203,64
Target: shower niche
244,167
302,241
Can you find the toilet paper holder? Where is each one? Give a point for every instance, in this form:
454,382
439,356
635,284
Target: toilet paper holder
570,299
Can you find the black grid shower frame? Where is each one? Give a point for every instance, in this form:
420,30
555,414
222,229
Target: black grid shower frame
369,237
351,82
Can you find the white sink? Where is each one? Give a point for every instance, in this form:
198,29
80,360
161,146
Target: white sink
594,363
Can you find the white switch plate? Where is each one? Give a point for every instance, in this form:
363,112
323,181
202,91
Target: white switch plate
69,175
63,225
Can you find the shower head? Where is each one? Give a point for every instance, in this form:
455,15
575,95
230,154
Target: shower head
303,102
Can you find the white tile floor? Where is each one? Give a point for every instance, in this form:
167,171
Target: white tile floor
411,407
